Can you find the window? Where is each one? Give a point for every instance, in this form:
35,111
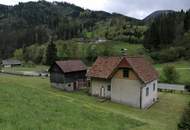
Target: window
109,88
69,85
154,87
126,73
147,91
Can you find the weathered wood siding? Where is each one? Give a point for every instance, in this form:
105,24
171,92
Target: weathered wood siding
132,75
57,76
74,76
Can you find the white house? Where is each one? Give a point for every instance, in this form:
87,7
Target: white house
126,80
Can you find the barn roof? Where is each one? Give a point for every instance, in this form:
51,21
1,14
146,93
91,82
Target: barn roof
104,67
71,65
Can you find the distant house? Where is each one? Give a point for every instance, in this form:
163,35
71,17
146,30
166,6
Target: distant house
68,75
11,63
127,80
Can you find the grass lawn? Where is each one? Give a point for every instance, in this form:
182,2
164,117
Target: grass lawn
30,103
21,68
178,64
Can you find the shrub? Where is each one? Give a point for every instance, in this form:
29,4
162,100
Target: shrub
185,120
170,74
29,64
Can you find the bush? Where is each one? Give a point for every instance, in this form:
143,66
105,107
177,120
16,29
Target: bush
187,86
170,74
168,55
185,120
29,64
171,54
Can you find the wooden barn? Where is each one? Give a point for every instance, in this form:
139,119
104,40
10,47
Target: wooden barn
68,75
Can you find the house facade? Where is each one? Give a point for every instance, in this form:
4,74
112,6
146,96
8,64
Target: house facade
126,80
68,75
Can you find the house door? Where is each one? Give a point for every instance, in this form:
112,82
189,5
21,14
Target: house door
75,86
102,92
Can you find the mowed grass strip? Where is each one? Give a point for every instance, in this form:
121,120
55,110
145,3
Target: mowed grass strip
30,103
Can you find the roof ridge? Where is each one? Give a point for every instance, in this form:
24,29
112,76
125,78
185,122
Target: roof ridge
138,56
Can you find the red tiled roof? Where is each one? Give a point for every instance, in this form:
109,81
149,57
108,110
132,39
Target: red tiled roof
71,65
104,67
145,71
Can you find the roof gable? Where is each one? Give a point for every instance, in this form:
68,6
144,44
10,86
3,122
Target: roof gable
71,66
144,70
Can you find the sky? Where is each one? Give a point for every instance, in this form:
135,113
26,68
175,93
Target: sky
133,8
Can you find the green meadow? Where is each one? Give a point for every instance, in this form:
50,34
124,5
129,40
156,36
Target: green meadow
28,103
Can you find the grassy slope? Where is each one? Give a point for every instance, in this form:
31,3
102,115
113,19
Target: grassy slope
31,103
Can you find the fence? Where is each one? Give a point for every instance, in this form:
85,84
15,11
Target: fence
171,87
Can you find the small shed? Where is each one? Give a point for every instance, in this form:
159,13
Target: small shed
11,63
68,75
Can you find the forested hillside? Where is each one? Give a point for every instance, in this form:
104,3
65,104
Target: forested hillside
27,28
25,24
168,37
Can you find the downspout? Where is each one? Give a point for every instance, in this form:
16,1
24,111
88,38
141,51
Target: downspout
141,97
141,88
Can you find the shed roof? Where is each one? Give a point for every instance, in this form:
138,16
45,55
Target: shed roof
104,67
11,62
71,65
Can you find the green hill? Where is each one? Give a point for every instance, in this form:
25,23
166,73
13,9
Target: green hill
36,22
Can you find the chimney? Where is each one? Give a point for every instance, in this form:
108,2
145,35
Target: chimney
124,51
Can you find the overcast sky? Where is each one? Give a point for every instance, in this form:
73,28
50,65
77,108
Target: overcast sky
134,8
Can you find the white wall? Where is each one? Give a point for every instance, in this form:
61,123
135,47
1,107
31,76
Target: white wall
126,91
152,97
97,85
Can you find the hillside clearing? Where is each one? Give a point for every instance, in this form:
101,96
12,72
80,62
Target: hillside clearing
30,103
81,48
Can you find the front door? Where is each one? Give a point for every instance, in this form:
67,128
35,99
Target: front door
75,86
